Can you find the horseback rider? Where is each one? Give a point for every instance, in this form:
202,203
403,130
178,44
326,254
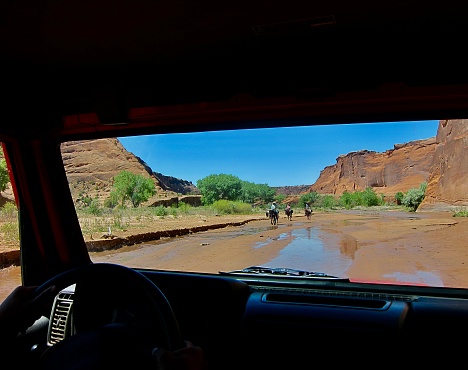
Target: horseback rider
288,211
274,207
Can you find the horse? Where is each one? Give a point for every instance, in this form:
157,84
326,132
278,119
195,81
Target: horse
308,213
273,214
288,213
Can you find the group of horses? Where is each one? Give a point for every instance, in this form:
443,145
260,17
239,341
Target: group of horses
273,214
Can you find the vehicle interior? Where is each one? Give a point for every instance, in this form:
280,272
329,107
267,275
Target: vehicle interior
86,70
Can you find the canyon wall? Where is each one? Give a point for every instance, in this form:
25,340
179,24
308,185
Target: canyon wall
404,167
441,161
447,187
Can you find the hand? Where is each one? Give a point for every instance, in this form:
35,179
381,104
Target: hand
188,358
22,308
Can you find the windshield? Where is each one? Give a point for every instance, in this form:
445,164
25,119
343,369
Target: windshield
377,202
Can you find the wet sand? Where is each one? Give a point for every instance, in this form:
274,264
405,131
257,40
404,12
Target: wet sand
425,248
432,246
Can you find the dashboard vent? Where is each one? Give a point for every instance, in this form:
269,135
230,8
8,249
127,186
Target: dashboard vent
337,294
59,321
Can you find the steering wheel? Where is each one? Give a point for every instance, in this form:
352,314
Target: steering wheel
117,315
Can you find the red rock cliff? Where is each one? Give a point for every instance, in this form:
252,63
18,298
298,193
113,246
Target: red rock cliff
447,187
404,167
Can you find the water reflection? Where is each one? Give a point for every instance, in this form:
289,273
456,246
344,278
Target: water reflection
307,251
348,245
419,277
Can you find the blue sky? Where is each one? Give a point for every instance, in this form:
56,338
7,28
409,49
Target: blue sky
300,152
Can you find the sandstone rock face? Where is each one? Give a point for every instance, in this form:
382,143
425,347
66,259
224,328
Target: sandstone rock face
91,165
399,169
292,190
447,187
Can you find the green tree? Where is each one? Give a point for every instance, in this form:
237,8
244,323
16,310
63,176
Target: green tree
346,200
222,186
278,198
249,192
111,201
4,175
252,192
94,207
399,197
132,187
370,198
414,197
328,201
366,198
310,198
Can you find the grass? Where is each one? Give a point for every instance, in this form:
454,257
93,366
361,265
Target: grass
461,213
95,225
109,220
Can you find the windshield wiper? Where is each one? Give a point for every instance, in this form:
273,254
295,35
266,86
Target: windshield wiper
260,270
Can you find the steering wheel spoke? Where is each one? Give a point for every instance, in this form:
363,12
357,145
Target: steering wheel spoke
117,314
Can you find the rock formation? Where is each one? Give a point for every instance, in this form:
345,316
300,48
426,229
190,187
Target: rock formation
292,190
442,162
447,187
91,166
404,167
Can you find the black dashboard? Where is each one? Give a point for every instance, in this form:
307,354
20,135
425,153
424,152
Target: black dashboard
274,325
280,324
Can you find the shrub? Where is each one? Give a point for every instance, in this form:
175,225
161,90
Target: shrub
95,208
461,213
369,198
9,210
366,198
117,221
279,198
111,202
414,197
10,232
230,207
328,201
4,175
184,207
160,211
310,198
347,200
399,198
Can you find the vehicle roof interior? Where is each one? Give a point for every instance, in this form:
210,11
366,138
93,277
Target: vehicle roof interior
209,62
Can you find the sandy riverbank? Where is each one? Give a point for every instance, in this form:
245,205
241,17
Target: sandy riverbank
424,248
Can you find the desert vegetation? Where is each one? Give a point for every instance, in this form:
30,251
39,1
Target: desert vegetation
222,195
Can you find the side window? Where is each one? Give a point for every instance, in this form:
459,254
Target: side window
10,271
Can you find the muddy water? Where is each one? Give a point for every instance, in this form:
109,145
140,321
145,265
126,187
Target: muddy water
307,250
386,247
296,245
